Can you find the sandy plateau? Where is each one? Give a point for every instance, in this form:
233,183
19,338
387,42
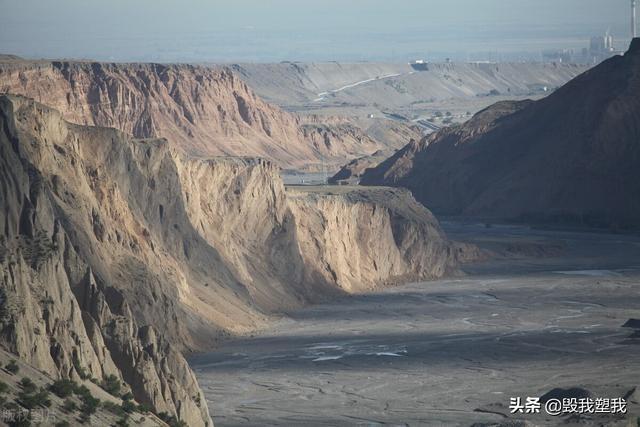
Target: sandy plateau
546,312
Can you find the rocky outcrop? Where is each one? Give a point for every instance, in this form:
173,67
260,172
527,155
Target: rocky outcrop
56,314
359,239
206,111
58,410
572,157
107,240
353,171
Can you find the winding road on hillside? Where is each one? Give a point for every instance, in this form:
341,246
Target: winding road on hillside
323,95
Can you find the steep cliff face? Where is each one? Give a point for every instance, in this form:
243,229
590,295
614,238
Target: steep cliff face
206,111
55,313
571,157
106,240
359,239
190,233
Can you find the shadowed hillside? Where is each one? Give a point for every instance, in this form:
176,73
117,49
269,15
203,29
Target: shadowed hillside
571,157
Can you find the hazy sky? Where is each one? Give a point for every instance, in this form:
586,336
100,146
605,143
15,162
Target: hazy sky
276,30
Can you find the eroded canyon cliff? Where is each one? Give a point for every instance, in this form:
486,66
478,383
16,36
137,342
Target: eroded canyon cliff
107,240
204,110
61,312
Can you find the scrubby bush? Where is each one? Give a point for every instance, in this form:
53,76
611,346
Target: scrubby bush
3,387
89,405
63,388
144,408
32,400
42,396
171,420
27,385
111,384
80,370
81,391
128,406
127,396
114,408
62,424
69,406
12,367
123,421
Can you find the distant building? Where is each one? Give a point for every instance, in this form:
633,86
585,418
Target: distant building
420,65
601,45
600,48
634,32
561,55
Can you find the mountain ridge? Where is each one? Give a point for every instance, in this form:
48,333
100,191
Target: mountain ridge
569,157
208,110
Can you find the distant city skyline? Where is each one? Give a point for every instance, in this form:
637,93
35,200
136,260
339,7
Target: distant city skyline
279,30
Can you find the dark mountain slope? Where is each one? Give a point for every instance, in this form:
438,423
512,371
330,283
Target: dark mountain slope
573,156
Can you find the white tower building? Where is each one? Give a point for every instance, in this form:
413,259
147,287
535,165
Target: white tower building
634,33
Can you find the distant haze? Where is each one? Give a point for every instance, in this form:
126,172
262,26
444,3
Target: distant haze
304,30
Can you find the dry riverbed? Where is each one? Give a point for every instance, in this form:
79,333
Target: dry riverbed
546,314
